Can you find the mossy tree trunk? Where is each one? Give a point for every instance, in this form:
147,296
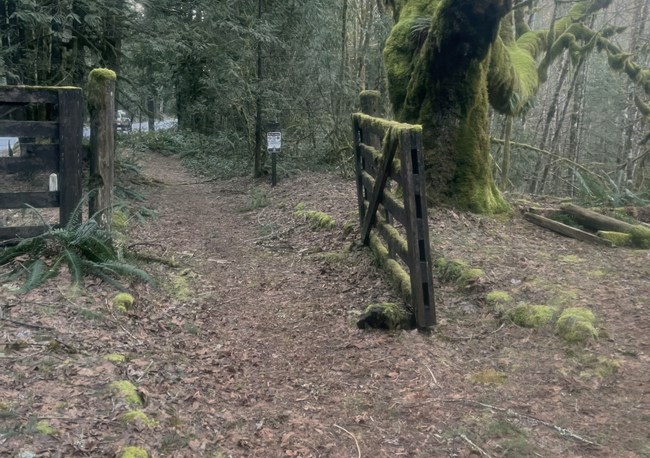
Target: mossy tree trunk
446,60
437,60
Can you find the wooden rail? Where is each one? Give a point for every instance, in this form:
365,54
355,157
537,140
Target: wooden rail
52,119
388,157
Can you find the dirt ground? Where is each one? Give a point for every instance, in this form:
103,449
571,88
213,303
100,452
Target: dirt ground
250,349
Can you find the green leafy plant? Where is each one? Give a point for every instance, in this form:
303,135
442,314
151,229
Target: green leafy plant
86,249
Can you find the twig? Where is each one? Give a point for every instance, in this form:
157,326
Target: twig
352,436
561,431
479,449
27,325
432,376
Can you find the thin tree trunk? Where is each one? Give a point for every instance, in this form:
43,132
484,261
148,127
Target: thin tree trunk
259,162
505,162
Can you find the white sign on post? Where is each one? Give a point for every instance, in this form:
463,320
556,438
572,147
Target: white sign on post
274,141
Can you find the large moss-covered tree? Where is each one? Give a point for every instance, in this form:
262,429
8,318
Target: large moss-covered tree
448,60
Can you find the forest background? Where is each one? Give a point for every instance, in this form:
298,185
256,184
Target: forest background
227,70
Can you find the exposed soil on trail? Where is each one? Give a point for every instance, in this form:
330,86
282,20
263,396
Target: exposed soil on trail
250,349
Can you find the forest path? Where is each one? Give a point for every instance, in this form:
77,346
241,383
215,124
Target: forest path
249,348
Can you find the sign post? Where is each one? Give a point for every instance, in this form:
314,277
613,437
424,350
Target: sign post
274,146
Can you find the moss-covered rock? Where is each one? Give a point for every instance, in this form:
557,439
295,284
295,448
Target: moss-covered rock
386,315
138,418
123,302
457,271
532,316
133,452
126,391
577,325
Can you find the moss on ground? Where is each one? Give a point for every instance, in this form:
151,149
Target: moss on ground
317,220
577,325
139,418
457,271
115,358
123,302
498,300
599,367
489,377
43,427
126,391
532,316
133,452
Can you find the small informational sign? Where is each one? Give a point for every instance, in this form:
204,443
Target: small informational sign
274,142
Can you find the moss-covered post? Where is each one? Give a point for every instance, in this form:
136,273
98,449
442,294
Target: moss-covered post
101,106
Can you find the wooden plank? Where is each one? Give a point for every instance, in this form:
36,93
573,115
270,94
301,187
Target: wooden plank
416,227
38,129
378,189
566,230
40,158
389,201
33,199
70,136
372,159
20,232
359,164
28,94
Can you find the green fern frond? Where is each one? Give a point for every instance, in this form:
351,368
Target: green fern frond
75,266
37,275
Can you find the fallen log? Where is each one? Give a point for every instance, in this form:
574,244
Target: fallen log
566,230
596,221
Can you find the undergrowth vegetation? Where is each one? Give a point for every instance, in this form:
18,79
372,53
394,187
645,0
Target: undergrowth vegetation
86,249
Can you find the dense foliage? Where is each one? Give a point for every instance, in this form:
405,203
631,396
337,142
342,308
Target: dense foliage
228,69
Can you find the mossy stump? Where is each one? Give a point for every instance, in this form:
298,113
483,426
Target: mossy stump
388,316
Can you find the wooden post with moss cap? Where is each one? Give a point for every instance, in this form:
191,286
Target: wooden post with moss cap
101,106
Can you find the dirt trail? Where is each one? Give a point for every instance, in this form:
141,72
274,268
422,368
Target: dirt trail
249,349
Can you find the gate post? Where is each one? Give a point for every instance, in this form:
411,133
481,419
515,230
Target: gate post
70,135
101,105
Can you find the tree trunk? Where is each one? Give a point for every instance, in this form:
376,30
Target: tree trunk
446,91
259,157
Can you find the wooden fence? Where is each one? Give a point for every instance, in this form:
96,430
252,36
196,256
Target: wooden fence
51,145
389,162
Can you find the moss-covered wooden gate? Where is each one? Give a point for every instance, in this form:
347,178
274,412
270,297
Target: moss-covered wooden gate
48,122
389,162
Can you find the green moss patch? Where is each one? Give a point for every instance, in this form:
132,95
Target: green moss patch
498,300
138,418
489,377
133,452
126,391
123,302
599,367
457,271
576,325
114,358
43,427
532,316
317,220
387,316
640,237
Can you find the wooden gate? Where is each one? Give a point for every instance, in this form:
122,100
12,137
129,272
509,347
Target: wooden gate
53,145
389,162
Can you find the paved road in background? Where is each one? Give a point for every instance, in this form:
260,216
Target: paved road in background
8,142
